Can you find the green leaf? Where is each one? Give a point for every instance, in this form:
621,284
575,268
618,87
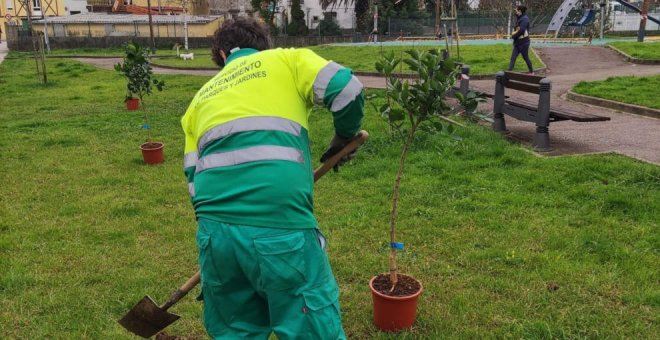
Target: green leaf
413,64
379,66
405,92
396,115
384,108
413,53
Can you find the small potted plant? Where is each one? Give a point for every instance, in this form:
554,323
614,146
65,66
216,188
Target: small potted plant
140,82
411,106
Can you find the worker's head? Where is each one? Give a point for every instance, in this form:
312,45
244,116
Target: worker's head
241,33
520,10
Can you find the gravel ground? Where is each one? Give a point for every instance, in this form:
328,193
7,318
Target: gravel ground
628,134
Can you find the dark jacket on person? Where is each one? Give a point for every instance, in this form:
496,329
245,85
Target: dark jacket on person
521,35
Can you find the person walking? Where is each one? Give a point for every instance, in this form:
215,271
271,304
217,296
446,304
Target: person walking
521,39
248,163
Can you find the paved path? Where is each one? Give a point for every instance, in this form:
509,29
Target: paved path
632,135
629,134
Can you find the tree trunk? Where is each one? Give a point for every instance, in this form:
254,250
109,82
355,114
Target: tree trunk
395,199
151,26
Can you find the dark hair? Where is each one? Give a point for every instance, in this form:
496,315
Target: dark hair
522,9
242,33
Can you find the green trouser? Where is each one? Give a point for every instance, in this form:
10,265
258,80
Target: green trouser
256,281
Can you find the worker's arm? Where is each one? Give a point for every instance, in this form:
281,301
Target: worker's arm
190,155
344,97
333,86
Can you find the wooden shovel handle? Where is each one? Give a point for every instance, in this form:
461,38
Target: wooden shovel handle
359,139
182,291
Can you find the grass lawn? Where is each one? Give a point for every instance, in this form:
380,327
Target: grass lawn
119,52
166,57
632,90
87,230
647,50
483,60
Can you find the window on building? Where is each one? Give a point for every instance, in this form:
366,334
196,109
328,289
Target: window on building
36,5
332,15
315,18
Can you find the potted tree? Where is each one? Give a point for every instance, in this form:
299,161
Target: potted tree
411,106
140,82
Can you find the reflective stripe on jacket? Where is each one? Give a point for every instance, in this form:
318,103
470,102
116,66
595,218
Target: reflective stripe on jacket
247,156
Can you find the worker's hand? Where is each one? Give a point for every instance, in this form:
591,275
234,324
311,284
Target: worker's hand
337,144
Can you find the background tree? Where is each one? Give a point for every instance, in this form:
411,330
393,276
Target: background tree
363,15
266,10
297,26
406,14
403,16
328,26
362,18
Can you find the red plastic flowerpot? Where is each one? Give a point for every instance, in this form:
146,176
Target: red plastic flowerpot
152,152
394,313
132,104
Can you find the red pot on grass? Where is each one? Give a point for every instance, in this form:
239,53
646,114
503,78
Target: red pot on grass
132,104
152,152
393,313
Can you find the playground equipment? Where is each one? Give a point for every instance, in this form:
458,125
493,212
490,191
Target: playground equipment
557,22
643,16
589,15
587,18
640,11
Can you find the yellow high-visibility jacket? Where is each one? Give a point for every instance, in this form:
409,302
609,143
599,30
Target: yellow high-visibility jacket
247,156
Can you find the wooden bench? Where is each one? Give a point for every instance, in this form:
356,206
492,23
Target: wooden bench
539,112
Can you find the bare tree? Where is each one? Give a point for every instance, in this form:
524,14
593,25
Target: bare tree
540,10
500,11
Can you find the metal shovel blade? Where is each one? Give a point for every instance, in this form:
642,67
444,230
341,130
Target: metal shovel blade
146,318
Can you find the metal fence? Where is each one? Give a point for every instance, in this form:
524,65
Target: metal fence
469,23
19,38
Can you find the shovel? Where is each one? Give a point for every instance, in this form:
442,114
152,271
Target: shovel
146,318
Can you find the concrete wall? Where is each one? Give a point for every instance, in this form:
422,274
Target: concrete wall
138,29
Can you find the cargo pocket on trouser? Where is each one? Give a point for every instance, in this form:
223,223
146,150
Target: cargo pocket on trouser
281,260
322,311
202,239
215,315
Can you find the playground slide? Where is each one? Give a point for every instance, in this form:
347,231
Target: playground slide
586,19
634,8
